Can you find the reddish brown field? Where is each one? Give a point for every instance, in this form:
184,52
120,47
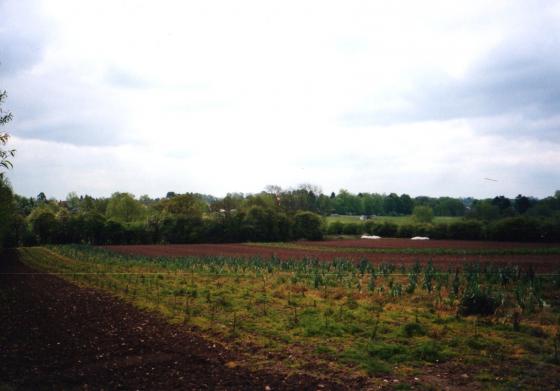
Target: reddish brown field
540,262
407,243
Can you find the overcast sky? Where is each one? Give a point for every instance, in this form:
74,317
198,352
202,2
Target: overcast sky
412,97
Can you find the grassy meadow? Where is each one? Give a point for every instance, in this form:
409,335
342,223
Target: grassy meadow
399,220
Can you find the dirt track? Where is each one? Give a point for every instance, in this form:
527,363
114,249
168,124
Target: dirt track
54,335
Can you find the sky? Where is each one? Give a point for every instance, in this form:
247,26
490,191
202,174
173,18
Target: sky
423,98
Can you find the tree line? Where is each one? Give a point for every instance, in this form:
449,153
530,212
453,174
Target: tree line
272,215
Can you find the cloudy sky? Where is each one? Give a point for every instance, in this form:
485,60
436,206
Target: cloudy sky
410,97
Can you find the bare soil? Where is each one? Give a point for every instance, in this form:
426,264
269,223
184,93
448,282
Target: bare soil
435,244
57,336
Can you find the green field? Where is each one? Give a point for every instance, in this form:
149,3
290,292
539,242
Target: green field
399,220
499,324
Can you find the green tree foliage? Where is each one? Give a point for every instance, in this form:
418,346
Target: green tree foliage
447,206
405,204
346,203
373,204
467,230
392,204
423,214
484,210
521,229
188,204
265,224
7,209
308,225
43,224
521,204
123,207
6,196
5,154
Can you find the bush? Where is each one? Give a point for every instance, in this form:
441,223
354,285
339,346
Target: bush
410,230
371,227
423,214
478,303
335,228
550,231
522,229
307,225
466,230
352,229
387,229
439,231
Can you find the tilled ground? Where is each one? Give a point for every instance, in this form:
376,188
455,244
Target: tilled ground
57,336
540,262
393,243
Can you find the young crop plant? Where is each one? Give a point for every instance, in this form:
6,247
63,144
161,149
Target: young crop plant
429,274
261,305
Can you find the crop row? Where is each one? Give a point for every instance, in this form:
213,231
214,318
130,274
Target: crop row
353,315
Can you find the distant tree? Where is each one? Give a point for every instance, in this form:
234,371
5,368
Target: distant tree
503,204
423,214
230,203
187,204
391,204
447,206
73,202
41,198
521,204
348,203
43,224
264,200
405,205
484,210
24,205
308,225
125,208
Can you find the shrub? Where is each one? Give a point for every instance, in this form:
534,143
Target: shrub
352,229
307,225
466,230
409,230
478,303
439,231
371,227
387,229
335,228
515,229
423,214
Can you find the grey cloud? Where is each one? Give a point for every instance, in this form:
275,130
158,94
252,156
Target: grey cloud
22,36
18,54
125,78
519,79
63,110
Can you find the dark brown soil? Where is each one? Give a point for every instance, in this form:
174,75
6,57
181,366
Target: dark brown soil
57,336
